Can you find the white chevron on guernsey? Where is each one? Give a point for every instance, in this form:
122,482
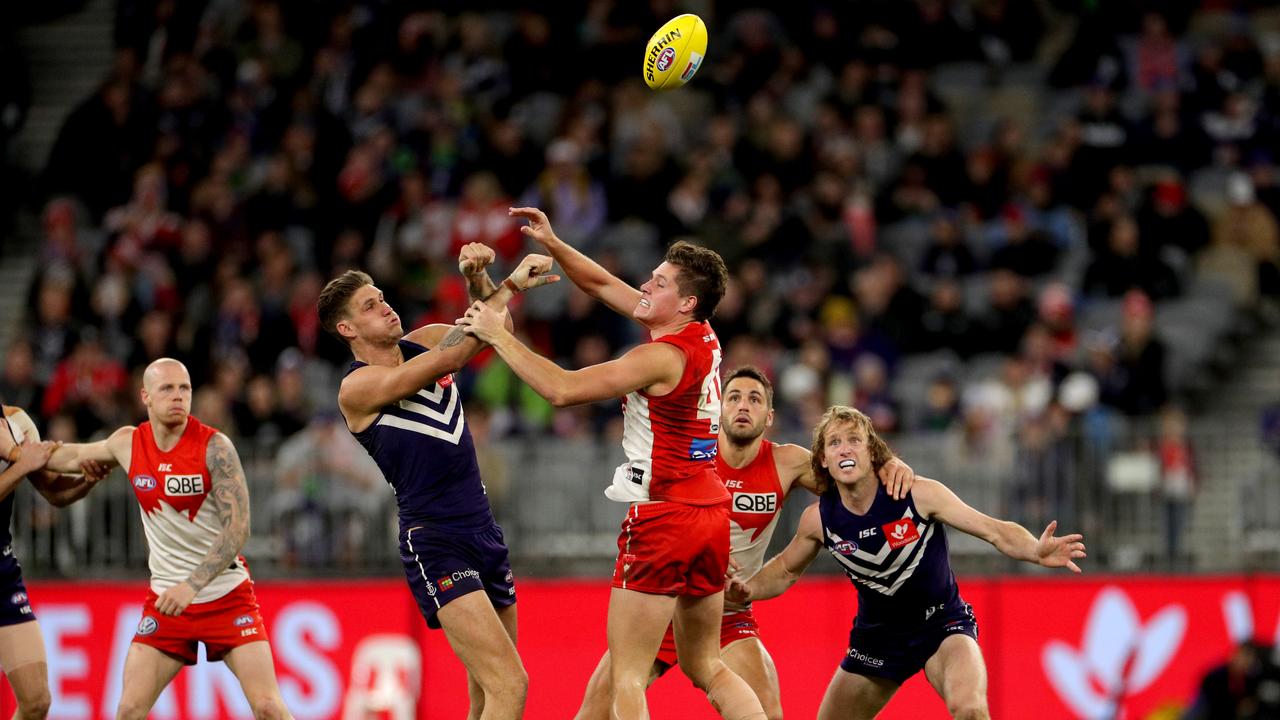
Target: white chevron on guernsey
864,574
424,429
857,573
442,416
437,392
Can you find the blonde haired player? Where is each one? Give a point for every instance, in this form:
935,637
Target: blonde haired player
910,613
22,655
195,510
759,474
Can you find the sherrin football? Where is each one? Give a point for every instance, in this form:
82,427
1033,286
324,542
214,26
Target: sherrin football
675,52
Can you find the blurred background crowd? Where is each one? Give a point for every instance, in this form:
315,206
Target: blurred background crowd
1036,241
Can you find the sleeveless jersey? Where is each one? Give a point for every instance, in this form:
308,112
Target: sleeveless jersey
171,488
753,514
670,440
896,559
6,505
424,449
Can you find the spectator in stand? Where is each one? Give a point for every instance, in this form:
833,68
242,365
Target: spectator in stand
948,255
1168,223
1008,313
1026,251
88,385
1249,225
1122,267
18,383
323,505
1177,480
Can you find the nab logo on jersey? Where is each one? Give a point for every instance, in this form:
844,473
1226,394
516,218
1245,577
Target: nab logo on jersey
703,449
900,532
177,485
766,503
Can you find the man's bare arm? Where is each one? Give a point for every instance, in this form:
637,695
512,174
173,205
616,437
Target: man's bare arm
115,450
229,495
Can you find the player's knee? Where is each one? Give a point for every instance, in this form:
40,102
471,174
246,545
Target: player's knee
703,674
131,710
771,703
35,707
973,707
510,685
268,707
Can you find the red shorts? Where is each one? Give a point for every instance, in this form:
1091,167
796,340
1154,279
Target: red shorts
673,549
733,627
222,625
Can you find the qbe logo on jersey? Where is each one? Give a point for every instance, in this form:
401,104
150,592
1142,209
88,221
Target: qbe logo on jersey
766,503
184,485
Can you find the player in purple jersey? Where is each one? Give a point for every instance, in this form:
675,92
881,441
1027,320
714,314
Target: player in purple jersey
910,614
400,402
22,657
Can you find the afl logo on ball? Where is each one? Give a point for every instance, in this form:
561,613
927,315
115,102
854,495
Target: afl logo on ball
144,482
666,58
148,626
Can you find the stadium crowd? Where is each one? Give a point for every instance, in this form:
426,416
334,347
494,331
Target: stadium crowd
240,154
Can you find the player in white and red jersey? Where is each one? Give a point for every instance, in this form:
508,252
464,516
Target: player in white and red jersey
759,474
674,546
195,510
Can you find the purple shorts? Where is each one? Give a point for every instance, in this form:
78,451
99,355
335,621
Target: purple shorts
442,566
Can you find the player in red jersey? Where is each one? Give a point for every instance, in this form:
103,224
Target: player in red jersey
195,510
759,474
674,547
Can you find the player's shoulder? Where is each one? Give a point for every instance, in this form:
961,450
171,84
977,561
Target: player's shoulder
792,463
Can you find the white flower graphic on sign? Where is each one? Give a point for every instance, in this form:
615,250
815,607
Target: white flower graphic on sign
1119,655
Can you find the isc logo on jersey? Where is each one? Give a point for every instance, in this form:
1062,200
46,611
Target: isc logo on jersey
184,484
755,502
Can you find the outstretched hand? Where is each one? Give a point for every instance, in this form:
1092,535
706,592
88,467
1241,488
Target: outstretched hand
1059,551
539,227
533,272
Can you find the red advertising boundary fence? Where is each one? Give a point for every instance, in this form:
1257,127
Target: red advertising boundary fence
358,649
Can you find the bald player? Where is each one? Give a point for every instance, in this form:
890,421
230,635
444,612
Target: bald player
195,509
759,474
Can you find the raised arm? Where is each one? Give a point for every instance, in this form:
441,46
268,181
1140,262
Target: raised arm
229,497
935,500
657,366
369,388
786,567
580,269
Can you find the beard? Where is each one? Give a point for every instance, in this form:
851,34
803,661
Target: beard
739,435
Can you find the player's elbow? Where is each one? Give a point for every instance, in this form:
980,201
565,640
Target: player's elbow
562,398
